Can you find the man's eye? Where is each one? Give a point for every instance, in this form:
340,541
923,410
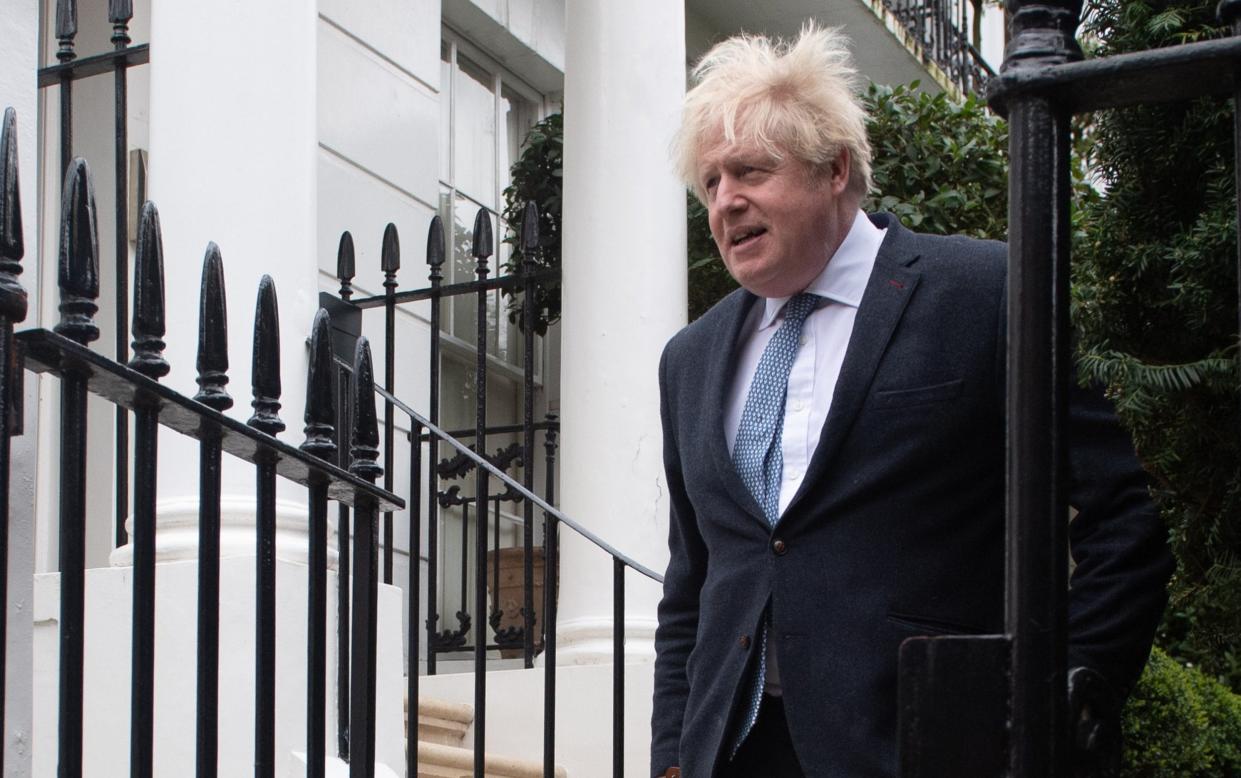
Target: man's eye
710,183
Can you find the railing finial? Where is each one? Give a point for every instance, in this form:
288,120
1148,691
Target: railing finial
12,246
390,255
66,28
148,322
120,11
79,255
1044,32
530,232
483,239
345,267
435,249
265,368
213,334
364,444
320,406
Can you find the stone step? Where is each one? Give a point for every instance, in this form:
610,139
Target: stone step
442,761
441,722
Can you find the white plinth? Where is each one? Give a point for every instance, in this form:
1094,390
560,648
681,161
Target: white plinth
107,670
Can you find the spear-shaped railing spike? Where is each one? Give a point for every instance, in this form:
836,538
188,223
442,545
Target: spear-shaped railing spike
66,28
345,265
120,11
265,368
148,323
530,231
213,334
119,14
79,255
364,443
435,248
12,247
390,255
482,239
320,405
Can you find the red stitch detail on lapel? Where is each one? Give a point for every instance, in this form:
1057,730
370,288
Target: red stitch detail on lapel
896,283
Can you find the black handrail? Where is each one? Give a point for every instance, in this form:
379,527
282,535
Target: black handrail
508,480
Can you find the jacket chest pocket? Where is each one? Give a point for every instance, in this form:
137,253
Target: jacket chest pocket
914,396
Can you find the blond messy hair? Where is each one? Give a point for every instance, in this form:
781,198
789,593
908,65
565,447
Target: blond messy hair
798,98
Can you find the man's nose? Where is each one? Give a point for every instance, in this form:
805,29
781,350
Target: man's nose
728,195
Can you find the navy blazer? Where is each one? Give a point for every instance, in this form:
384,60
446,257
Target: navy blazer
897,529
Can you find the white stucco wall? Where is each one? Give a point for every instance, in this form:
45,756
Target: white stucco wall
19,24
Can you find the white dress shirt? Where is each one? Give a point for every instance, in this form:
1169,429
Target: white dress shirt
812,379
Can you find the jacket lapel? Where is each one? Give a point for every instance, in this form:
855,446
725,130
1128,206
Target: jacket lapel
721,367
891,285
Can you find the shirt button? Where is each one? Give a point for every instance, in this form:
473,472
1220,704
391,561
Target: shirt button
801,340
792,475
744,642
779,546
798,405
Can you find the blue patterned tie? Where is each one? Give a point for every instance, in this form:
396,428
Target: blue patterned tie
757,453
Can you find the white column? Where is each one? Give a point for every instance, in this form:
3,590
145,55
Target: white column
624,296
233,137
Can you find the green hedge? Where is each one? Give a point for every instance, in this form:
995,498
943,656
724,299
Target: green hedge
1180,723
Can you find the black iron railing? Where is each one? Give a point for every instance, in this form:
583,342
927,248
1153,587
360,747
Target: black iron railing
70,69
1006,704
941,31
443,495
471,632
135,386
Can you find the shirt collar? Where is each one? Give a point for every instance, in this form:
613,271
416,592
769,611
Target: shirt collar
843,279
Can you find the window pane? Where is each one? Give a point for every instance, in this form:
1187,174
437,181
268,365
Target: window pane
474,132
519,117
445,114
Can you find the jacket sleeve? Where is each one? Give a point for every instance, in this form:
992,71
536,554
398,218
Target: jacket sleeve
678,610
1119,546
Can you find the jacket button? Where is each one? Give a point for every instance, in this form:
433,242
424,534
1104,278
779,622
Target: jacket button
779,546
744,641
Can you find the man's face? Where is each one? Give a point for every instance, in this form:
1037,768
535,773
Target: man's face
775,221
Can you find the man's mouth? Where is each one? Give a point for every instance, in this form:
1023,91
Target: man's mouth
747,236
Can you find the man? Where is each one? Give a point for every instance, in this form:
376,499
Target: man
834,442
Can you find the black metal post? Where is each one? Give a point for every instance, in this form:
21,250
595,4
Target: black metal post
529,246
435,259
12,309
618,668
119,14
148,359
1038,340
551,546
320,433
79,288
482,250
66,31
364,450
390,257
345,272
212,367
265,379
414,596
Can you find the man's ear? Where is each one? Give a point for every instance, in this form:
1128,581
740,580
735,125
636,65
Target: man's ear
838,179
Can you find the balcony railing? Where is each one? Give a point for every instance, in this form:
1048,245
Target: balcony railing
941,31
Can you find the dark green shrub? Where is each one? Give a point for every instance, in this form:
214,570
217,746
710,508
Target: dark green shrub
1155,307
1180,723
537,176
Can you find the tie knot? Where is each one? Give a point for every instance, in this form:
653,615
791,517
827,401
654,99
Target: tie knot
799,307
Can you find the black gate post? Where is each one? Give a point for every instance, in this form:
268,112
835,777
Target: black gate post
1038,376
